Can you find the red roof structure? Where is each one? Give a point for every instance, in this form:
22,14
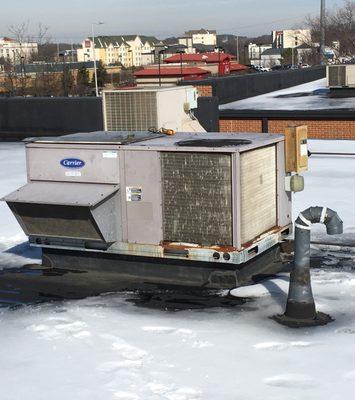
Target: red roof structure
199,58
235,67
7,39
171,71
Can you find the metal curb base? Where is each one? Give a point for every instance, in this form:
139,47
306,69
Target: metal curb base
320,319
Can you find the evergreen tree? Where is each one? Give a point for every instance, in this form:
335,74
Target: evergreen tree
101,75
83,76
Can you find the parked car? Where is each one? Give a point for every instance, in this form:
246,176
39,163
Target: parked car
277,67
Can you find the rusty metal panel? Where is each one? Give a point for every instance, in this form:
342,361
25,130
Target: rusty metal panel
197,198
258,192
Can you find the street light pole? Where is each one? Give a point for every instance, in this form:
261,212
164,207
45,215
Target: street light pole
322,30
94,54
238,49
160,52
181,52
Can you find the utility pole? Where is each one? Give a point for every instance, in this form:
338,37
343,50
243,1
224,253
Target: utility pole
237,49
95,65
160,52
181,52
72,52
322,30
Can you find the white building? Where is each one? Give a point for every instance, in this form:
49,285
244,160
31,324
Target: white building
291,38
15,51
129,50
255,51
271,57
203,36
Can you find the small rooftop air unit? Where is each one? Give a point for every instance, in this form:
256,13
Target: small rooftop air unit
341,76
153,108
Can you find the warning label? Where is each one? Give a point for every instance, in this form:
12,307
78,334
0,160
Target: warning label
133,193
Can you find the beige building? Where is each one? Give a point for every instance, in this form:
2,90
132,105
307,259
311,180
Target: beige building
255,51
187,42
291,38
206,37
129,50
17,52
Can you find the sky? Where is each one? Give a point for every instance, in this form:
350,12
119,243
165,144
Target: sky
70,20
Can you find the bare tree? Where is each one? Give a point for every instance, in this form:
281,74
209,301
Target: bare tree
20,32
340,27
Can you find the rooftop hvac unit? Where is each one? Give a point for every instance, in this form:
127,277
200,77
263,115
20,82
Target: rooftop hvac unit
341,76
143,109
211,198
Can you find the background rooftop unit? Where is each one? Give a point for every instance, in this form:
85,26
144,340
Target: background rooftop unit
153,108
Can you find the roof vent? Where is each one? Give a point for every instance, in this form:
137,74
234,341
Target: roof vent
213,142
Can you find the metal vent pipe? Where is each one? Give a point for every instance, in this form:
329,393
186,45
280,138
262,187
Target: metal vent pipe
300,308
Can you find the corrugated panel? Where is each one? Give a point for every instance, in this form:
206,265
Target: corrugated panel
197,198
258,192
337,75
135,111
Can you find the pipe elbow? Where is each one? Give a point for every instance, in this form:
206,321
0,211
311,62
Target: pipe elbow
333,223
323,215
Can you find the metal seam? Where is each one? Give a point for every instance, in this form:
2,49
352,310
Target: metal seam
307,228
323,215
304,219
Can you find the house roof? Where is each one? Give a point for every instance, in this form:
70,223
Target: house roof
272,52
171,71
105,41
200,31
210,57
173,48
204,48
118,40
304,46
7,39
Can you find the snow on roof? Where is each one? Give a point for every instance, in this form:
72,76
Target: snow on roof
308,96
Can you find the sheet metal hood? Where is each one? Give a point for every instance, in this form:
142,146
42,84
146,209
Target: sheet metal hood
67,210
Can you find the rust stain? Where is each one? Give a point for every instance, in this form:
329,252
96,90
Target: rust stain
186,246
261,236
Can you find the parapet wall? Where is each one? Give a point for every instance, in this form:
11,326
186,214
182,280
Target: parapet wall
322,124
21,117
